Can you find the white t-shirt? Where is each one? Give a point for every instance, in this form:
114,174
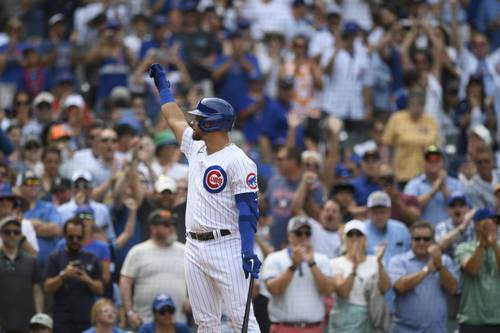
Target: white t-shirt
343,267
156,270
343,91
301,301
324,241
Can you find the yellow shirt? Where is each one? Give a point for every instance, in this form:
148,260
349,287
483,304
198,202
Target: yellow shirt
409,138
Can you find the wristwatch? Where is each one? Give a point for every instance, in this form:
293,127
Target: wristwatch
130,312
426,269
293,268
312,264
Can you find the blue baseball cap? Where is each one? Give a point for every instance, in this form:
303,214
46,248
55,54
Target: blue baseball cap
457,196
483,214
159,21
162,301
350,28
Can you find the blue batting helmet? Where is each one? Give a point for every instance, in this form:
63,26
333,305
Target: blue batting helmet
216,115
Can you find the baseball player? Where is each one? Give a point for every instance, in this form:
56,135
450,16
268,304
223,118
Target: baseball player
221,213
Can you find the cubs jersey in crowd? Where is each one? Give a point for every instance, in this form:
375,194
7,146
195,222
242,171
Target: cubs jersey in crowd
214,180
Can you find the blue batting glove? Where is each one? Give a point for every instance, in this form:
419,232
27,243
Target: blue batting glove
157,72
251,264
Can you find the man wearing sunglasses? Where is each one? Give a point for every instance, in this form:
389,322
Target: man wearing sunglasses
297,275
20,290
422,279
43,215
164,319
74,277
479,260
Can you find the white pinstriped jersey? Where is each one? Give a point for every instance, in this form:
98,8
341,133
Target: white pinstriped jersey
213,182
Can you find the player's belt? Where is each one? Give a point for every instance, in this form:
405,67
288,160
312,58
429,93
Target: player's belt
205,236
299,324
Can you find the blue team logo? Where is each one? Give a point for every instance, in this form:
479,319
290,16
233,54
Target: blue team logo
215,179
252,180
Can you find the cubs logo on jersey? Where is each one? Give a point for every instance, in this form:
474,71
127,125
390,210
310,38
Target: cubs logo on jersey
215,179
252,180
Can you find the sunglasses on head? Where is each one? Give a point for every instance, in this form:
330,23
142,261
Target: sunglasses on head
420,239
12,232
300,233
74,238
85,216
166,309
433,158
356,233
31,181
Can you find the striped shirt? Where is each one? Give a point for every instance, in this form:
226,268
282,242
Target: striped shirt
480,192
425,308
301,301
213,182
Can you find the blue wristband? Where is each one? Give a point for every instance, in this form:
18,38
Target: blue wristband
166,96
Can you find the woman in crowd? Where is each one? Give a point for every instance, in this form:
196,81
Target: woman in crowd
103,316
354,274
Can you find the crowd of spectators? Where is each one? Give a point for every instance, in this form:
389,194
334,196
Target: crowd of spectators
374,125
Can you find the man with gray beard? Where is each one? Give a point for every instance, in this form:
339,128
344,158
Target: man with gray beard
154,267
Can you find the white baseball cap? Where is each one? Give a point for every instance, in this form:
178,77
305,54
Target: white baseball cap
379,199
297,222
41,319
355,225
74,100
81,174
43,97
164,183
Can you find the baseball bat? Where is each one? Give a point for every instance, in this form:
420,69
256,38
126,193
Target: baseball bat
244,328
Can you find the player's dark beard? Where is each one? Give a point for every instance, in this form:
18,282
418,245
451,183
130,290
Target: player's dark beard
197,136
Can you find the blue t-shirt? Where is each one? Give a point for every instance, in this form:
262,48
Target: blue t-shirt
233,86
48,213
363,187
435,210
119,217
13,72
279,197
150,328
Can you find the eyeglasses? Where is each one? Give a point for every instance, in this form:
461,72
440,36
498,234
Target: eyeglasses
74,238
166,309
12,232
311,166
31,147
353,233
81,185
485,161
18,103
300,233
457,204
107,140
420,239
